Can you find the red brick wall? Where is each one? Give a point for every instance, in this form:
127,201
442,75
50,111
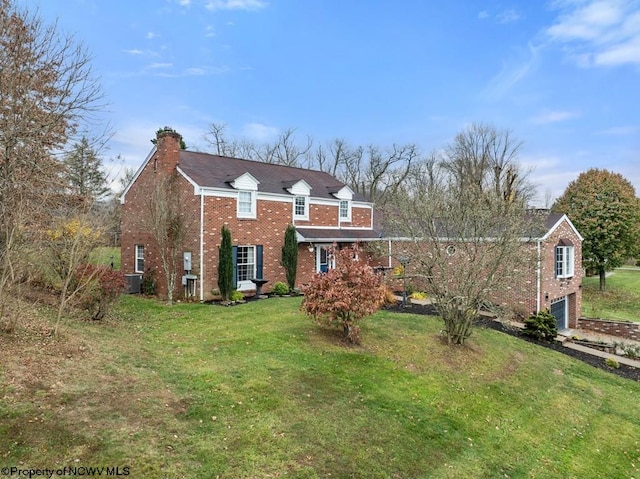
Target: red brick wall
267,229
521,296
614,328
553,288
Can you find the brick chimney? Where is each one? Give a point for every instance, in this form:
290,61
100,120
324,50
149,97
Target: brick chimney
168,150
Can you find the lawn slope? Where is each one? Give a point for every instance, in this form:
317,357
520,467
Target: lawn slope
257,390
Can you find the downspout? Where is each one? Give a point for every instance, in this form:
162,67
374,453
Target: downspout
538,277
389,253
201,245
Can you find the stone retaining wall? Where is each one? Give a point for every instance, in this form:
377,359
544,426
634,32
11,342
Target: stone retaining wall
621,329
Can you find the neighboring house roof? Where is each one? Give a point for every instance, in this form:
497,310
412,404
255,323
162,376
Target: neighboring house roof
213,171
330,235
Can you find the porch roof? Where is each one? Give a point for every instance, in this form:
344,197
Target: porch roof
338,235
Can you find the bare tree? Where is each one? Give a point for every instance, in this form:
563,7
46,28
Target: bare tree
285,150
167,224
465,240
46,91
223,145
333,158
75,233
379,173
484,158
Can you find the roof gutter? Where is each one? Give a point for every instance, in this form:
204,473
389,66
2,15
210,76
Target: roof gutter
538,275
201,245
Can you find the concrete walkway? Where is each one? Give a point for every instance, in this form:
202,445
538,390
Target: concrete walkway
596,352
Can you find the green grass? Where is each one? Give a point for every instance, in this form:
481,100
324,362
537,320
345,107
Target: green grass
106,254
620,301
257,390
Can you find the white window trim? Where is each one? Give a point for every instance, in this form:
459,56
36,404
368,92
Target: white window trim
246,214
137,257
344,218
247,284
567,261
304,216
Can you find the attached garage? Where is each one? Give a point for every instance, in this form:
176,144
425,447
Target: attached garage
559,311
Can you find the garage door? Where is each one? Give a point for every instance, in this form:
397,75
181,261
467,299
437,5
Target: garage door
559,311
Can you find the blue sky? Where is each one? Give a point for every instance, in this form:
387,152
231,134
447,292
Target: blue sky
562,75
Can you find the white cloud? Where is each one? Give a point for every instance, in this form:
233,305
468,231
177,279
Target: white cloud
599,32
259,131
483,15
235,5
554,117
151,35
133,52
511,74
508,16
209,31
192,71
184,3
621,130
159,65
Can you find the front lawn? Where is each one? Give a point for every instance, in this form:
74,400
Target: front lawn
620,301
257,390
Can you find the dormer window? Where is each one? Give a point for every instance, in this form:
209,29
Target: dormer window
246,204
301,207
345,210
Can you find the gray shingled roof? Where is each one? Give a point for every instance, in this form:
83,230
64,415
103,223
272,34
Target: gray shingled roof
213,171
335,234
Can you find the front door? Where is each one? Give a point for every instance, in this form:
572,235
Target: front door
559,311
324,260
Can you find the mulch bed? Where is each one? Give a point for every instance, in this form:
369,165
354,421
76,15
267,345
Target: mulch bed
624,371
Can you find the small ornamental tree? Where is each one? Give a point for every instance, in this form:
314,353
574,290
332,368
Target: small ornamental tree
225,265
344,295
290,256
104,287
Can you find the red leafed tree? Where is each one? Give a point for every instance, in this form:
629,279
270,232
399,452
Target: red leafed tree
344,295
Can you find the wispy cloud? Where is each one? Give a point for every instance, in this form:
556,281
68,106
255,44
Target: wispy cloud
159,65
621,130
209,31
152,35
134,51
554,117
508,16
259,131
512,73
235,5
193,71
599,32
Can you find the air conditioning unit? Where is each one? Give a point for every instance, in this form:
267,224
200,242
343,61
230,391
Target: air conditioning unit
134,283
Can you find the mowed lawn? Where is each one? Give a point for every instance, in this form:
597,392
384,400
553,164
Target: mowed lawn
620,301
258,391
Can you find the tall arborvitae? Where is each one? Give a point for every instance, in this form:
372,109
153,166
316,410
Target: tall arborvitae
225,265
290,255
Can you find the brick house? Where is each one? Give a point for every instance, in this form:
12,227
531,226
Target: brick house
553,282
256,201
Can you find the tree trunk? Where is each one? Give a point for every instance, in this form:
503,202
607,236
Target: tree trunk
603,279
